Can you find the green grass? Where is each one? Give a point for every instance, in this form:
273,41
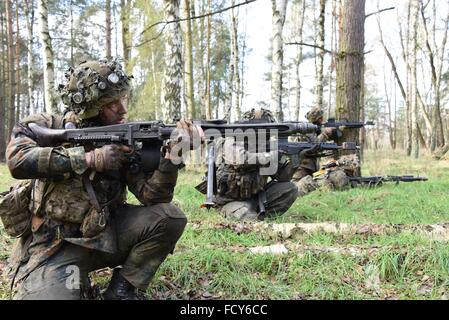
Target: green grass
212,259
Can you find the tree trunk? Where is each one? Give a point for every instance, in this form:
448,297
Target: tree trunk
279,8
47,53
437,137
191,113
320,62
198,49
208,75
350,62
124,16
399,82
235,85
388,100
2,87
173,58
29,13
108,28
414,83
72,35
332,64
406,57
298,60
11,81
18,88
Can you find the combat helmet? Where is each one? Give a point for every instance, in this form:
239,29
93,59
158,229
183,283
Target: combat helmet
92,85
314,115
258,115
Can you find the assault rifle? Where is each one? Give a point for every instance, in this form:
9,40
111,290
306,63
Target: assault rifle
339,125
146,138
378,180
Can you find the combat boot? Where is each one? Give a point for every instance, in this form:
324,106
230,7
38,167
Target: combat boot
120,289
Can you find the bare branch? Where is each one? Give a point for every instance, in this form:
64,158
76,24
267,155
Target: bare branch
197,17
309,45
379,11
317,47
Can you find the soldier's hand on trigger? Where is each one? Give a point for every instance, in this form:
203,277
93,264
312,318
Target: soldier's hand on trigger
108,157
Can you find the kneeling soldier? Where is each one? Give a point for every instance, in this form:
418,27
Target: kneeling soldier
69,236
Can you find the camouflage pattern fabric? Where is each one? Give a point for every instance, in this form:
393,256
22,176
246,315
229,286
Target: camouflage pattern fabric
259,114
93,84
60,202
239,182
238,170
314,114
333,178
160,225
280,197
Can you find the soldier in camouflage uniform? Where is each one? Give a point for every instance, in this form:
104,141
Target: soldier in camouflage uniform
307,177
69,237
334,175
309,165
239,179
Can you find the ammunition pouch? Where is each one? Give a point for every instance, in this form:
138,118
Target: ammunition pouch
240,185
67,201
14,209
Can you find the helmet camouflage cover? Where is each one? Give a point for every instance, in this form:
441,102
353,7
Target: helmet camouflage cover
261,114
314,114
92,85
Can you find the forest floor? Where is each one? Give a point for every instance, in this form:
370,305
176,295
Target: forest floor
389,242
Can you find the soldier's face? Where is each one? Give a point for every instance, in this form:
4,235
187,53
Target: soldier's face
114,112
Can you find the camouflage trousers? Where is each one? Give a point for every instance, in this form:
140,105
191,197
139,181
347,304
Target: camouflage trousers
145,236
280,197
333,180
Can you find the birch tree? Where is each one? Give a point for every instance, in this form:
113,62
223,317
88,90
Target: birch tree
404,36
414,84
17,56
124,17
173,58
235,85
2,86
29,18
11,82
47,54
191,112
279,8
207,97
299,18
436,56
320,62
108,28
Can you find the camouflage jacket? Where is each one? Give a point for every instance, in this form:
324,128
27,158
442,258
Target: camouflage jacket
60,199
241,174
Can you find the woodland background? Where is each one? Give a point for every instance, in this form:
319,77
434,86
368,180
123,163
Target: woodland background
190,58
385,61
